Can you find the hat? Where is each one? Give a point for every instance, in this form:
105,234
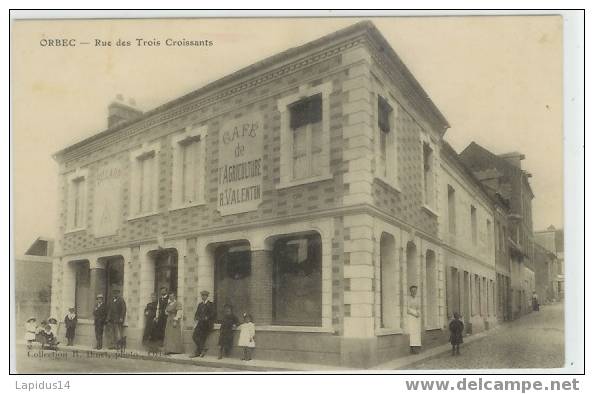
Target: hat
51,320
204,292
71,308
413,286
99,295
31,318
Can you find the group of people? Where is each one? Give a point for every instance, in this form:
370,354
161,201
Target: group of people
456,326
45,333
163,326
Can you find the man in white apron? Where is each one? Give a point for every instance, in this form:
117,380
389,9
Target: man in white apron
414,320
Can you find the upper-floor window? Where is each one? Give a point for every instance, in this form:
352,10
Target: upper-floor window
305,135
452,209
428,175
189,151
306,127
144,191
489,236
77,200
473,225
386,161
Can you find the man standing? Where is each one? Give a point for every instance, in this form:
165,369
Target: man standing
160,316
204,318
535,303
414,320
116,313
100,316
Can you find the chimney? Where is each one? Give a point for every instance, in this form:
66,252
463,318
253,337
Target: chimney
119,111
514,158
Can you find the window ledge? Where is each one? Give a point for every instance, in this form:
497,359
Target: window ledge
184,206
143,215
388,331
430,210
74,230
388,183
304,181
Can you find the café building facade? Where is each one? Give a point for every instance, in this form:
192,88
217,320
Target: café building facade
304,189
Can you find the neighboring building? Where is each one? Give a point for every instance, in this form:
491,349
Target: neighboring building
552,240
546,274
503,176
310,189
33,281
469,244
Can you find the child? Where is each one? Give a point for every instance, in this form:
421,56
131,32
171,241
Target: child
30,331
49,340
247,337
456,330
70,321
53,323
226,331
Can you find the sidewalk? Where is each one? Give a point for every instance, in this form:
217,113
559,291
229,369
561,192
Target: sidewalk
207,361
408,361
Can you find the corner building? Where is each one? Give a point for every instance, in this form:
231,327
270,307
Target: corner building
305,189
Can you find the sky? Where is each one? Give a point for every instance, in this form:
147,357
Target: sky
498,81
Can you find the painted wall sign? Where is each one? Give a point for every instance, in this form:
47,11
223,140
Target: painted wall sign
107,209
240,165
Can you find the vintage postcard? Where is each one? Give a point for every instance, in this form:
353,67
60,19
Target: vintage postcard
288,194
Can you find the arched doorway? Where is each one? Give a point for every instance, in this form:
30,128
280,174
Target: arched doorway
431,311
388,282
233,266
412,274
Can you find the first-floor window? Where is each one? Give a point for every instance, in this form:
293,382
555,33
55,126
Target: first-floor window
232,275
306,125
166,270
297,280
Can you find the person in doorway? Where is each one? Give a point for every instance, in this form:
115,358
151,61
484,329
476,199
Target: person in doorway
226,331
70,321
414,320
173,329
116,314
456,333
204,318
161,316
535,303
100,318
150,312
247,337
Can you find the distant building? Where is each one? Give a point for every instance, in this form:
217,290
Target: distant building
503,176
33,280
552,240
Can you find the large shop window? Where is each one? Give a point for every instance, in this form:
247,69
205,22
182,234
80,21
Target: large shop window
233,267
297,281
114,275
166,270
306,125
82,296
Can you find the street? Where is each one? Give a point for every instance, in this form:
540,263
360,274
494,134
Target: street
532,341
65,361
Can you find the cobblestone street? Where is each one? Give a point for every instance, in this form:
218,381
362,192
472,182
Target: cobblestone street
533,341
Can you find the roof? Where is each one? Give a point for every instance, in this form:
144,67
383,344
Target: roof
473,148
364,27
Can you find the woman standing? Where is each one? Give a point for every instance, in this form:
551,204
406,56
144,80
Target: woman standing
173,332
414,320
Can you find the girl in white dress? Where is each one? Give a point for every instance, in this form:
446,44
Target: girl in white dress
247,336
